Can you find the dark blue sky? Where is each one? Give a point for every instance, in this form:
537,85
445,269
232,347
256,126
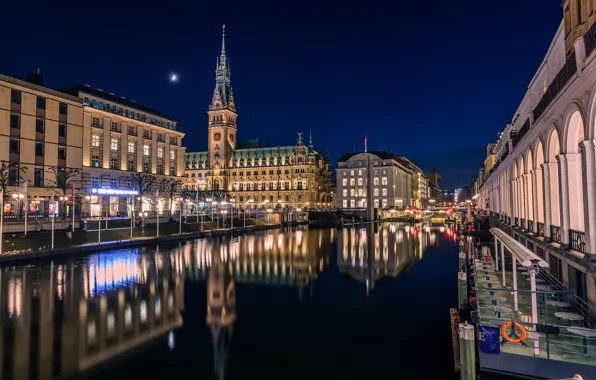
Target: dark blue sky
432,80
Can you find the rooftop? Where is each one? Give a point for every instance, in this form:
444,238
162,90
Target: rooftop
74,90
49,91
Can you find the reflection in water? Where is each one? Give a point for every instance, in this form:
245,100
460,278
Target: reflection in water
65,317
370,253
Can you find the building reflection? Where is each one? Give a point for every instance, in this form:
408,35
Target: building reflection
65,318
293,258
370,253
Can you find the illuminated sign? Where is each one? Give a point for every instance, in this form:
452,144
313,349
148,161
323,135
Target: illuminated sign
114,192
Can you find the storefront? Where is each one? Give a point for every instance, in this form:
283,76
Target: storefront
110,202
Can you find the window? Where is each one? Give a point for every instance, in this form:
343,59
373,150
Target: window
40,126
146,134
14,146
344,182
114,144
131,166
95,160
351,172
345,203
376,181
63,109
384,181
13,176
352,203
159,169
41,103
38,178
114,127
114,183
145,167
86,101
159,152
38,149
94,181
15,96
15,121
376,192
95,140
384,192
132,131
114,163
345,192
172,154
145,149
173,140
95,122
359,181
62,130
352,193
352,181
384,203
359,172
376,203
62,153
131,147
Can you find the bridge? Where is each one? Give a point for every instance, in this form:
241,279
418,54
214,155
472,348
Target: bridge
539,178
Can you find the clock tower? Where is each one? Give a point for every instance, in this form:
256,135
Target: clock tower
222,122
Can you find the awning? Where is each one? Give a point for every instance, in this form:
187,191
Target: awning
526,257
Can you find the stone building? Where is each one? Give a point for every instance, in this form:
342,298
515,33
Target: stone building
121,137
40,128
289,175
434,185
393,180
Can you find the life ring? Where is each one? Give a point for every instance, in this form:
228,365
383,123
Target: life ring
506,325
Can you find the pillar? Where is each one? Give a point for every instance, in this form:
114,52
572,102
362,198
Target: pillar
564,200
589,193
514,270
534,201
546,199
526,203
503,262
467,351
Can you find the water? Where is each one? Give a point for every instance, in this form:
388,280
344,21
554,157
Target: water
278,304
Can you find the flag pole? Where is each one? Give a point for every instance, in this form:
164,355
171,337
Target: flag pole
26,207
53,215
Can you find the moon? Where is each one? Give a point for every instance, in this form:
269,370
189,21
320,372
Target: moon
174,78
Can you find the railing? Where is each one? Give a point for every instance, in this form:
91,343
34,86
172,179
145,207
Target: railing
530,225
566,72
555,233
578,240
540,227
590,40
517,136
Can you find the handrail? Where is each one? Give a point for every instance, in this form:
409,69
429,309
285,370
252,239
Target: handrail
526,257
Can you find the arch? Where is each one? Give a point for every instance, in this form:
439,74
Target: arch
574,133
529,185
539,160
553,145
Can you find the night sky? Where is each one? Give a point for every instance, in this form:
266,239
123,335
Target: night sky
432,80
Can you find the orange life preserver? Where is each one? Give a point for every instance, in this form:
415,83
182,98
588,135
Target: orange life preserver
472,299
506,325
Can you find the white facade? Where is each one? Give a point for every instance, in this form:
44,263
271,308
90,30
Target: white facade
544,178
392,181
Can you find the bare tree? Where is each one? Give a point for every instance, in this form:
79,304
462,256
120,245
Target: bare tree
65,180
143,183
171,188
11,174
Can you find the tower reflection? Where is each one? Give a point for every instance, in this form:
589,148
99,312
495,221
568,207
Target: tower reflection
383,250
65,318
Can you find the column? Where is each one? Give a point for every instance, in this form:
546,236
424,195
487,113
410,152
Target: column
525,198
546,200
564,200
534,201
589,193
107,122
140,149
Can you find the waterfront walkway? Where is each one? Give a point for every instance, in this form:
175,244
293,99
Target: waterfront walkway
566,338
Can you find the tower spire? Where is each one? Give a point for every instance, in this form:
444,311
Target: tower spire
310,138
223,44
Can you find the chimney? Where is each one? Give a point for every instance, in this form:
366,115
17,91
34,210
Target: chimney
35,78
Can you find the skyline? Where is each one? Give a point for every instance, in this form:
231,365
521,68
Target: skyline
280,68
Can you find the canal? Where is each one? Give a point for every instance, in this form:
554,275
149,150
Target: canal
297,303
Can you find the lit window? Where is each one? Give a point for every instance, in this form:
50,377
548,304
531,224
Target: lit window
172,154
95,140
351,172
376,181
359,181
345,203
345,192
160,152
384,203
359,172
131,147
376,203
145,149
384,180
376,193
384,192
345,182
114,144
351,192
352,182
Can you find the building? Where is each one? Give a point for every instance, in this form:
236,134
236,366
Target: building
420,188
121,137
294,175
40,131
541,188
434,186
393,180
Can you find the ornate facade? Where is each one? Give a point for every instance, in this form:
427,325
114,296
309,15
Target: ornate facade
291,175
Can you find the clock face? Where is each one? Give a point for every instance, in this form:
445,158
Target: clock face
231,137
217,136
